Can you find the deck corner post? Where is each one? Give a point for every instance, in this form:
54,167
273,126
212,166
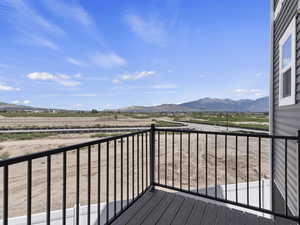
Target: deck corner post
298,176
152,157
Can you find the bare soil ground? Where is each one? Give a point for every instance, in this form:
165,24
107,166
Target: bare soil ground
21,122
164,162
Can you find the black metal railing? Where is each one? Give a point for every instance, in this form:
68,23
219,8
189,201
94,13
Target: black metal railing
200,163
117,171
120,163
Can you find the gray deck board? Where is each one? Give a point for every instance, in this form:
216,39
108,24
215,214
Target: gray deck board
210,215
147,209
171,211
131,211
197,213
165,208
222,218
184,212
155,215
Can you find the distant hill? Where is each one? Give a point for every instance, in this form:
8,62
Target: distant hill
207,105
14,107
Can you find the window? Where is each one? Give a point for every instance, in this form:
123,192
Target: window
287,74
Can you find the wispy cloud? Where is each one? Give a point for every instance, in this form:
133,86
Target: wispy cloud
164,86
159,92
73,11
249,92
38,40
33,28
150,30
107,60
26,19
21,102
8,88
75,62
85,95
99,59
135,76
62,79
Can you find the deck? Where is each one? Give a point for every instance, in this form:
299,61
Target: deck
162,208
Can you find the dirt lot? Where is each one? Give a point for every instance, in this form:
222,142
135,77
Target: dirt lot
18,173
21,122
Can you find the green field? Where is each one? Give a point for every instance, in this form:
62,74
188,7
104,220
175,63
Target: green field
239,120
257,121
24,136
57,114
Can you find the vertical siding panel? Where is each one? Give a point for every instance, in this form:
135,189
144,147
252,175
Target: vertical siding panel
286,119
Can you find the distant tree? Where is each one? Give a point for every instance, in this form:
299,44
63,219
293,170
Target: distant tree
94,111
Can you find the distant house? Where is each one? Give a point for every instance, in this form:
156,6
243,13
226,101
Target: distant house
285,97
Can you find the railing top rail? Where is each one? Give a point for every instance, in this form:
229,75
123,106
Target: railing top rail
24,158
229,133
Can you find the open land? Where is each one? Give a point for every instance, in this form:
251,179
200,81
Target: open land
18,174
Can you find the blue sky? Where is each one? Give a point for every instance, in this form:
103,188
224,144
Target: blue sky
109,54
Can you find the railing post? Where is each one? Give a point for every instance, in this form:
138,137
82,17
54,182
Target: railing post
298,176
152,156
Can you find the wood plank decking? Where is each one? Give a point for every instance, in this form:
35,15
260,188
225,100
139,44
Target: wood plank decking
162,208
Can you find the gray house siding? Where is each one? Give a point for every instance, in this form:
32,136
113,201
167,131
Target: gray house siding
286,120
275,4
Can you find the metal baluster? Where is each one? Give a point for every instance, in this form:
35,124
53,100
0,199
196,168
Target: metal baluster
173,158
152,156
132,168
216,165
29,190
107,181
226,140
259,170
143,162
236,169
138,164
89,187
5,195
197,174
77,185
121,175
147,163
48,190
206,164
248,195
180,160
115,177
64,200
189,161
285,175
99,184
127,174
158,151
166,158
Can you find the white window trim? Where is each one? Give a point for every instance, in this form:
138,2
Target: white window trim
290,32
278,8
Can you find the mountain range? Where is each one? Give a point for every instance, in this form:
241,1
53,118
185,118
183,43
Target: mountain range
12,107
207,105
200,105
